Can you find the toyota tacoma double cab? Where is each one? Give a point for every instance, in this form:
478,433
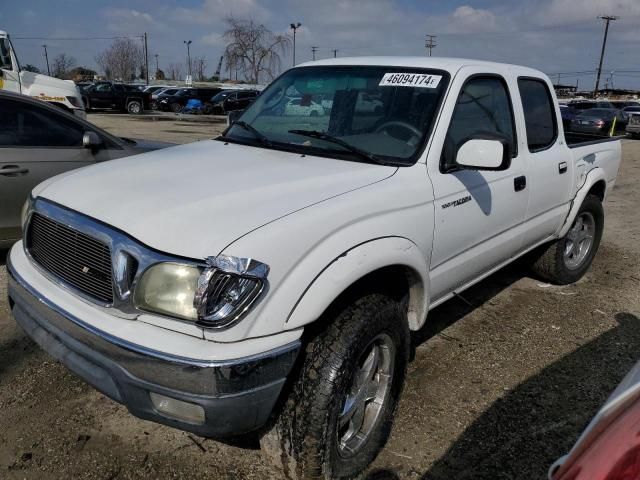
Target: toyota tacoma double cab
266,282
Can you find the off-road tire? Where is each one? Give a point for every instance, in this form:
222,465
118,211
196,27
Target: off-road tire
134,107
550,262
303,441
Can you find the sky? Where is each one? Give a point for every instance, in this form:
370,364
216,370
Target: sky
555,36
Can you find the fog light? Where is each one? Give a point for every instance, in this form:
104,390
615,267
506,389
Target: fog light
178,409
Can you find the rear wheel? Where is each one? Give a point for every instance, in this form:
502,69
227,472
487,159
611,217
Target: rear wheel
340,411
176,107
568,259
134,107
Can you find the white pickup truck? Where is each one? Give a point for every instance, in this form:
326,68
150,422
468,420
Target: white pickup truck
267,281
61,93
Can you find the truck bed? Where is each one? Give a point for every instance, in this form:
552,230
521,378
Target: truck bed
575,139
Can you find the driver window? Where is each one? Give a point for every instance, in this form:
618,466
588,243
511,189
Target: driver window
484,106
5,55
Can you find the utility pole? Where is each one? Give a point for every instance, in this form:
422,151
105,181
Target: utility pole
335,52
607,19
146,59
313,52
46,57
295,27
430,43
157,67
188,43
558,82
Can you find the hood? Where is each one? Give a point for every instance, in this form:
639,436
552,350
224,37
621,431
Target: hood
36,84
193,200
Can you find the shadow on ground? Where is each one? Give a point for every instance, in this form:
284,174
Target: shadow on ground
3,257
548,410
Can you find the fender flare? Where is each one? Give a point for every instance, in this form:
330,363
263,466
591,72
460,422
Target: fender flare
594,176
354,264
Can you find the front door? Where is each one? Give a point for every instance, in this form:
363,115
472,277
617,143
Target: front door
476,212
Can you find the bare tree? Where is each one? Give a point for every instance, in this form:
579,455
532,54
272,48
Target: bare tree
122,59
254,49
62,64
199,67
174,71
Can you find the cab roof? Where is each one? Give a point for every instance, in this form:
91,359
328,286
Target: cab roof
450,64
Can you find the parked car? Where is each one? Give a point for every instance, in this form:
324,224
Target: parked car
302,108
609,447
633,123
229,100
568,114
177,101
116,96
595,120
272,288
580,105
162,91
38,141
621,104
154,88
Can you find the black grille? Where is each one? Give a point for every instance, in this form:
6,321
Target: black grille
78,259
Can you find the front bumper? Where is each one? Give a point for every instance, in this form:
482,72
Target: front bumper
236,396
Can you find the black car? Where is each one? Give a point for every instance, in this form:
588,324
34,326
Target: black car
580,105
177,101
568,114
594,120
116,96
229,100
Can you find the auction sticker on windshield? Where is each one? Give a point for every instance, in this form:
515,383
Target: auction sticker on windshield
421,80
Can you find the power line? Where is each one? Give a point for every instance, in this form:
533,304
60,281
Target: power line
430,43
75,38
607,19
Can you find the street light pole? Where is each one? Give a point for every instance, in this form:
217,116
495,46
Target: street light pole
46,57
607,19
295,27
188,43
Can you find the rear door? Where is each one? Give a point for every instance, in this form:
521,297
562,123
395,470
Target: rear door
477,212
548,158
37,143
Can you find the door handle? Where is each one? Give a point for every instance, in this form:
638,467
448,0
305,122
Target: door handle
562,167
519,183
13,171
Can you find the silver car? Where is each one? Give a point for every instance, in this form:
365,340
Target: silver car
38,141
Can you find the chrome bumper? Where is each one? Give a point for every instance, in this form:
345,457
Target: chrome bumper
237,396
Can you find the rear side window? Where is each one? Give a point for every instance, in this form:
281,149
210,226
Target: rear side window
484,106
539,114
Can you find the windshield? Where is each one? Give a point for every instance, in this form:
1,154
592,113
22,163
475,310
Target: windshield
220,96
383,112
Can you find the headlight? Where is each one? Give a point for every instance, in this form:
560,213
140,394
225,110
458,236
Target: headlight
169,289
227,289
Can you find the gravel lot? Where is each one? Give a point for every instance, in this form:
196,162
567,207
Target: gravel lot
503,380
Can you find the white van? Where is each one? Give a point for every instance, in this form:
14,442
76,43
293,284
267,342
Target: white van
62,93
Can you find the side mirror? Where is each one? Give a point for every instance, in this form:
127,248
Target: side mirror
233,116
91,140
481,152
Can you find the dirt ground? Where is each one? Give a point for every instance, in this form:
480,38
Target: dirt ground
503,380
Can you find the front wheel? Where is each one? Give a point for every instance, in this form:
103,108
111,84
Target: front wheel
568,259
340,411
176,107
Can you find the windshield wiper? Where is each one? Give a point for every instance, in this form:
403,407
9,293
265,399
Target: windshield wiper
363,154
256,133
